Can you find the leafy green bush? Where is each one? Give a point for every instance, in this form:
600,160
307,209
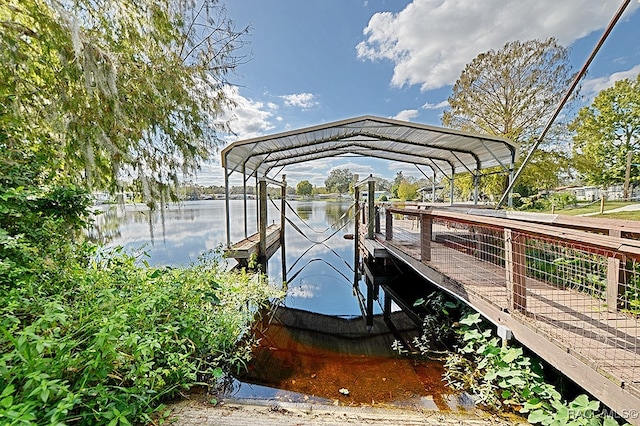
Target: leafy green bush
563,199
89,336
503,377
123,338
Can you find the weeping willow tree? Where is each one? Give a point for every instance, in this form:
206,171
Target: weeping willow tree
109,94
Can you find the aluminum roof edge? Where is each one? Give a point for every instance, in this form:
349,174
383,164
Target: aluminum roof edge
511,146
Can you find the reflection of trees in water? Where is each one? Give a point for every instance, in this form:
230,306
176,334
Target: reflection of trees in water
106,224
335,214
304,211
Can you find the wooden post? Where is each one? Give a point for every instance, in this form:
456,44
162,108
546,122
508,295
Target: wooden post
370,296
371,196
377,220
426,226
627,176
262,219
613,281
515,267
356,236
388,226
602,204
386,311
283,209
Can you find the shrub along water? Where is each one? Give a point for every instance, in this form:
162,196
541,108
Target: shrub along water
499,377
89,336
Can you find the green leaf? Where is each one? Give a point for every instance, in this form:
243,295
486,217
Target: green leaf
8,390
517,381
609,421
155,274
418,302
581,402
471,319
537,416
44,395
7,401
218,373
512,354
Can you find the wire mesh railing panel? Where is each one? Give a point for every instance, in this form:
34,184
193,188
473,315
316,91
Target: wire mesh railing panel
581,296
584,296
473,255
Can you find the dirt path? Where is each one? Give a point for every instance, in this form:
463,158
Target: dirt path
260,413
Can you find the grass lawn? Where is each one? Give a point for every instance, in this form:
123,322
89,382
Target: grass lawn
595,208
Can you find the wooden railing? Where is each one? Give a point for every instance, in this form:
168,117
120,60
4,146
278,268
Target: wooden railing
579,289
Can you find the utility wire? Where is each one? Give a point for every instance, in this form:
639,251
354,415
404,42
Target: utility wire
576,80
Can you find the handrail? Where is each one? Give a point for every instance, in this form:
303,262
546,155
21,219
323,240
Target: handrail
625,245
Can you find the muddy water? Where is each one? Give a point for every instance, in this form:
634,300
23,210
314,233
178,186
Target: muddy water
306,357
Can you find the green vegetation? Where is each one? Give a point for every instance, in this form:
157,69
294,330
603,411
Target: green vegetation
89,336
498,376
304,188
118,339
502,377
407,191
512,92
607,135
339,180
117,95
591,209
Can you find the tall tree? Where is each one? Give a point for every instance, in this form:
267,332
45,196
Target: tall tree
511,92
397,180
339,180
606,132
114,92
304,188
407,191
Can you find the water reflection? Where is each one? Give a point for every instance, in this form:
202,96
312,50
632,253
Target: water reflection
180,233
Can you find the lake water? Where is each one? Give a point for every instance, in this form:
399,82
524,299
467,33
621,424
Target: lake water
291,364
321,260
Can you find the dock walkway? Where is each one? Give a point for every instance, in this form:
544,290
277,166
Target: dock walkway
570,308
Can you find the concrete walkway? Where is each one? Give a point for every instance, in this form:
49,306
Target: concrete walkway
629,208
263,413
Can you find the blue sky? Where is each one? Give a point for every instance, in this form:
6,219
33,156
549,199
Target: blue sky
316,61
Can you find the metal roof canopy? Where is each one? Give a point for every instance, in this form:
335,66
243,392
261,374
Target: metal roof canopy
371,136
438,148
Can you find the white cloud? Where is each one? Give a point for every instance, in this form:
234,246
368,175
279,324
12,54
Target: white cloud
407,114
300,100
431,41
439,105
249,118
591,87
304,291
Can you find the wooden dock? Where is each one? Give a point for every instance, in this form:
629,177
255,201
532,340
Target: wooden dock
578,332
243,250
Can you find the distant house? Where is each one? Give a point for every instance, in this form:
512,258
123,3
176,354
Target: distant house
593,193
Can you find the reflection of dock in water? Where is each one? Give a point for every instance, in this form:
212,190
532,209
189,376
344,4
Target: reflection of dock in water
324,356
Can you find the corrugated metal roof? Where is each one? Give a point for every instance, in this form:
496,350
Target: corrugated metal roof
371,136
